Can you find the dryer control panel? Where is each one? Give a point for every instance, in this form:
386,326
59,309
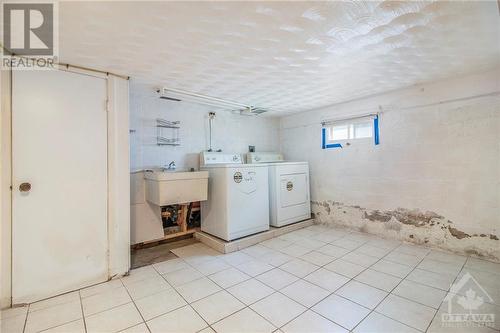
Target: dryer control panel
264,157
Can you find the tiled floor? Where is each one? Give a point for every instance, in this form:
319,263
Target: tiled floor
315,279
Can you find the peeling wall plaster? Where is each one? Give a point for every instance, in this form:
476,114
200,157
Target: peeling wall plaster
427,228
435,177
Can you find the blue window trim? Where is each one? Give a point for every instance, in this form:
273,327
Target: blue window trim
376,136
323,141
376,131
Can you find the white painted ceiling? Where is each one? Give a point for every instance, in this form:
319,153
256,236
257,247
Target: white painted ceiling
287,56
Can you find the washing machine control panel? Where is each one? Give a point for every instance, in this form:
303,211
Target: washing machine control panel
210,158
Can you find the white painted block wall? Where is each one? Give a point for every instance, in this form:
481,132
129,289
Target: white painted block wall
231,133
433,156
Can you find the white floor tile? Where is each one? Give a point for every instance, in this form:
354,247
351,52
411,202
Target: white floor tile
440,267
392,268
341,311
229,277
333,251
326,279
299,267
312,244
256,251
183,320
387,244
377,323
277,278
207,330
13,324
50,302
305,293
254,267
139,274
304,233
483,265
147,287
275,258
360,259
158,304
236,258
278,309
53,316
104,301
212,266
13,312
345,268
414,250
113,320
276,243
250,291
101,288
362,294
446,257
170,265
141,328
244,321
326,237
312,322
408,312
420,293
490,282
431,279
198,289
317,258
471,321
217,306
295,250
76,326
403,258
378,280
182,276
347,243
372,251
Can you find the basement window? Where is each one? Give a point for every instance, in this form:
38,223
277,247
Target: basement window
344,132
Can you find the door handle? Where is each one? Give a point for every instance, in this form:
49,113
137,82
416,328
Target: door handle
25,187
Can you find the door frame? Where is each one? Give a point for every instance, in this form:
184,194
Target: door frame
118,204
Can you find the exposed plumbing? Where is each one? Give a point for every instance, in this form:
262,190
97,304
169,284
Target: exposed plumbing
211,117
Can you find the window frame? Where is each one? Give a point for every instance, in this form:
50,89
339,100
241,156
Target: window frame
327,144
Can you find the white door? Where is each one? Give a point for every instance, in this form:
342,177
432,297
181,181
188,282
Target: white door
59,147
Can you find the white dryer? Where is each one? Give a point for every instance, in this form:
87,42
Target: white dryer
238,196
288,188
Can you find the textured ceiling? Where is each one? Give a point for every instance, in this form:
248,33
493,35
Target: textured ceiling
287,56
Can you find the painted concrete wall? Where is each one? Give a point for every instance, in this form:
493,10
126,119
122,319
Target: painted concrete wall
434,178
231,133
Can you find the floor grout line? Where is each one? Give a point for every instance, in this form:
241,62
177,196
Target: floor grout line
83,314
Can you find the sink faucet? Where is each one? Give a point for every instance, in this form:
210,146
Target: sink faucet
171,166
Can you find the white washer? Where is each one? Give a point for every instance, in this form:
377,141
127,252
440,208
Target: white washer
288,188
238,196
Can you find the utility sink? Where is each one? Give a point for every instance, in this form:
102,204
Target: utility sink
175,187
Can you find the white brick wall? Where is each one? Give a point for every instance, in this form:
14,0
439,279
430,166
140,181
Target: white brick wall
232,133
440,157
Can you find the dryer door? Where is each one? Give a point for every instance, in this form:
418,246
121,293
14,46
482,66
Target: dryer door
293,189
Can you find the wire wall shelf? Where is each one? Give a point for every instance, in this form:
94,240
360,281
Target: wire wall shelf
167,132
